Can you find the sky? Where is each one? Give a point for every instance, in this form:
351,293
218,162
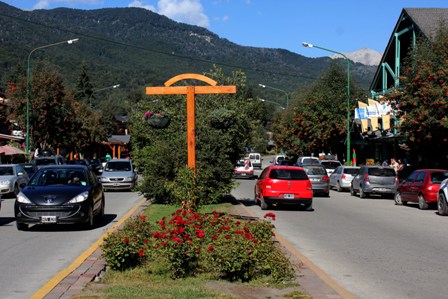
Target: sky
343,26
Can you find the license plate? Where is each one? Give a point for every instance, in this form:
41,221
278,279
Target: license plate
314,180
381,189
116,184
243,174
289,196
48,219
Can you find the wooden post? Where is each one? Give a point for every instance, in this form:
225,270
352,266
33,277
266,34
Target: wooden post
191,91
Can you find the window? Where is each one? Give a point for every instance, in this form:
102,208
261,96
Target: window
420,177
352,171
288,174
438,177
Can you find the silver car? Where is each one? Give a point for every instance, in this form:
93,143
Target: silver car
374,180
319,179
12,177
118,174
342,177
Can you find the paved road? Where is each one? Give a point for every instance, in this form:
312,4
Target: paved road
370,246
30,259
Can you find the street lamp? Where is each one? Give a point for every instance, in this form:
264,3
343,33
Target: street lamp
286,94
101,89
263,100
27,139
308,45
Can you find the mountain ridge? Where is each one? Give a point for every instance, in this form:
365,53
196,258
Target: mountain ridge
136,47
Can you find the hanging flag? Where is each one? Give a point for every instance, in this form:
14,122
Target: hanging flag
354,158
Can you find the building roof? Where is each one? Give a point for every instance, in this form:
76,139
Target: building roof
428,20
124,139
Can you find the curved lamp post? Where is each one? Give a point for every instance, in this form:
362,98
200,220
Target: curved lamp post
101,89
263,100
27,139
308,45
281,90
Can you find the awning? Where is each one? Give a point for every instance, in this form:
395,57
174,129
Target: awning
11,150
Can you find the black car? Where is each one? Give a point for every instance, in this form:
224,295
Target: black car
65,194
96,165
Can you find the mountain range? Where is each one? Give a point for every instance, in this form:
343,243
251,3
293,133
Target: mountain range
136,48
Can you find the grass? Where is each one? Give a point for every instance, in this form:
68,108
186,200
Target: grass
153,280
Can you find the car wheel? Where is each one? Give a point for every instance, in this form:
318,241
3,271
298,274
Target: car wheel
422,205
100,214
309,206
397,199
442,207
362,194
352,191
21,226
263,204
338,187
90,219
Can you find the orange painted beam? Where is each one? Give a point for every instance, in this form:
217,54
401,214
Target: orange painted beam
191,128
183,90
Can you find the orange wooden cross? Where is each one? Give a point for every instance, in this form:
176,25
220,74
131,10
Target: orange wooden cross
190,91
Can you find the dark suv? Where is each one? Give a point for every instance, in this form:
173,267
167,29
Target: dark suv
40,162
374,180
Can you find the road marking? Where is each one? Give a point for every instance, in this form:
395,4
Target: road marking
52,283
344,293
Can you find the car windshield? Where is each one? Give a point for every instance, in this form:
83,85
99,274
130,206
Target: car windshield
118,166
381,172
60,176
352,171
310,161
438,177
6,170
330,164
241,163
315,170
288,174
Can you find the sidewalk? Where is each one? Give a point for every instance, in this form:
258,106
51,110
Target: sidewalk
94,266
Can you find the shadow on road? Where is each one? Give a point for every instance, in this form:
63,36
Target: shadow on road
6,220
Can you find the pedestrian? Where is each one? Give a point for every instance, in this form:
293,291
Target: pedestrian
394,164
108,157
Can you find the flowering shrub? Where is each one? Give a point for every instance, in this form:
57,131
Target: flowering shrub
128,246
235,249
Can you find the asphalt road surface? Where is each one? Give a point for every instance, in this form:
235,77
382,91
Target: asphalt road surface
371,247
29,259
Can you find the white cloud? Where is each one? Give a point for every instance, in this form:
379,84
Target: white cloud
41,4
185,11
138,3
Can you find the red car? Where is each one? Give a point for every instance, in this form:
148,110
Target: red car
421,186
281,184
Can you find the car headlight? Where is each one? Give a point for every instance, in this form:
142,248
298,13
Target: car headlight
129,179
80,197
22,198
4,183
102,179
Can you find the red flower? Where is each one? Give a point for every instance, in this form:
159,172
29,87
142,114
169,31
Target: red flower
271,215
214,237
250,251
211,248
140,253
177,240
145,240
126,240
198,250
200,234
143,217
227,237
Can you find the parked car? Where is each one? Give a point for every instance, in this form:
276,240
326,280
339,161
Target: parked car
421,186
330,165
319,178
374,180
307,160
12,176
280,184
60,194
48,160
342,177
256,160
244,169
442,201
118,174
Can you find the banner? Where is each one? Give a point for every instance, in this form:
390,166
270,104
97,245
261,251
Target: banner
385,122
372,102
374,123
371,111
362,104
360,113
364,125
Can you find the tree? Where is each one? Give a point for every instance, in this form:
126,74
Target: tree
422,100
318,121
224,124
84,89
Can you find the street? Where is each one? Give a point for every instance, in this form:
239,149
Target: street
369,246
30,259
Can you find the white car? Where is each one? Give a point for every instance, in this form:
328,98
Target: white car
442,203
342,177
256,160
244,169
12,178
118,174
330,165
